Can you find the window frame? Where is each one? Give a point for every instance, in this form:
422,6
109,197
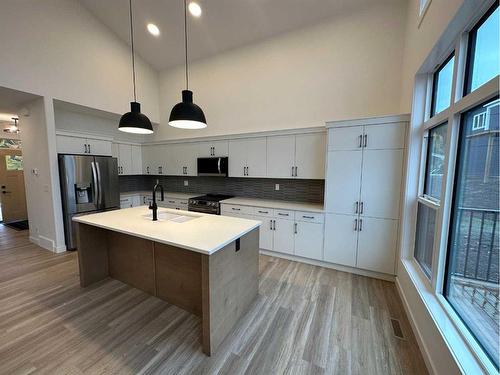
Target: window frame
466,350
471,49
427,163
435,76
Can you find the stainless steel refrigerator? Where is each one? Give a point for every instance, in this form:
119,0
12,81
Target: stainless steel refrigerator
88,184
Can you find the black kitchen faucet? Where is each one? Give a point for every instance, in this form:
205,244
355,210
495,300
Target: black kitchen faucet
153,206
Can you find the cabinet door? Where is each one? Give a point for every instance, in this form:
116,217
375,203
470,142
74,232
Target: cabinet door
340,239
310,155
160,160
189,162
212,149
381,183
136,159
284,237
266,234
99,147
343,181
237,158
124,159
386,136
280,156
342,139
147,159
256,157
309,240
71,145
377,245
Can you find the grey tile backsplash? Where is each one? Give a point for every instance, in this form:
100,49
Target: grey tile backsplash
290,189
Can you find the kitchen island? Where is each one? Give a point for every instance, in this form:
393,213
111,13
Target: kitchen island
205,264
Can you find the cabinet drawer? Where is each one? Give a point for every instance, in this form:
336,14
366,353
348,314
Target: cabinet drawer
284,214
311,217
244,210
262,211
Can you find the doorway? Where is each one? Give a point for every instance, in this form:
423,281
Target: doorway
12,191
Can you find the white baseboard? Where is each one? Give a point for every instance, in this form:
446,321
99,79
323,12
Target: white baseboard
338,267
47,243
421,344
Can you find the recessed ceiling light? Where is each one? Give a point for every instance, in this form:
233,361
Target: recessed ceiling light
153,29
194,9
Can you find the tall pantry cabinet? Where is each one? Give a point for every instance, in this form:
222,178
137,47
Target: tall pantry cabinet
362,194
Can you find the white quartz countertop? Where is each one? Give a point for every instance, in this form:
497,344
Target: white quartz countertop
281,205
204,233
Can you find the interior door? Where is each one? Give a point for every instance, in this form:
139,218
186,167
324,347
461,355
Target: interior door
343,181
381,186
13,195
280,156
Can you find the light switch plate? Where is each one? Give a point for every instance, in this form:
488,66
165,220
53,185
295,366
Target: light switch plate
276,186
186,183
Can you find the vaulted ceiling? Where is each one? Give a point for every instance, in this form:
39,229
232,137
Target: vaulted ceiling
224,24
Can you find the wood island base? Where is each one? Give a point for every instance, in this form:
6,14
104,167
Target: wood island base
219,287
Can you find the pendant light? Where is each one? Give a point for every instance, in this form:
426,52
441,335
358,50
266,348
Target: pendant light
186,114
134,121
13,128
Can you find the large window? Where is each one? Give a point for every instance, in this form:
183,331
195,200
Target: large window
456,244
484,54
441,88
472,267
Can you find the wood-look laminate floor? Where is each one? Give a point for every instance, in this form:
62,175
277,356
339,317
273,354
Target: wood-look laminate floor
306,320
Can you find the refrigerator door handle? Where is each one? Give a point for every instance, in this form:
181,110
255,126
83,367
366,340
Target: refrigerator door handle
99,186
95,186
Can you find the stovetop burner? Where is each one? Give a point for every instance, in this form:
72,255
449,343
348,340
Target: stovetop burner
207,203
212,197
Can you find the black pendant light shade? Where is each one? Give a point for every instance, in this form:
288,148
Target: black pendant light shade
134,121
186,114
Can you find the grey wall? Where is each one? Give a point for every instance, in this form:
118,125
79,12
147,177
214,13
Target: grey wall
290,189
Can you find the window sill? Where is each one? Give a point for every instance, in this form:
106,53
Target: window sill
465,350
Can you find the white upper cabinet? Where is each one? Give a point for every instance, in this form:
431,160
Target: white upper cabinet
386,136
68,144
136,159
344,139
213,148
147,159
310,151
256,151
247,157
296,156
124,159
159,159
281,156
381,189
343,181
182,159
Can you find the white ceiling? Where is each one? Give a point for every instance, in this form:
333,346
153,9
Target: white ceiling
224,24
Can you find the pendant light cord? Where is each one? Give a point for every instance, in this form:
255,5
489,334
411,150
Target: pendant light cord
186,43
132,42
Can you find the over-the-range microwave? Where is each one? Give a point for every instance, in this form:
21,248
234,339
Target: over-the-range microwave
213,166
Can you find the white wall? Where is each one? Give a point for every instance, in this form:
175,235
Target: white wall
93,123
348,67
56,48
420,39
42,189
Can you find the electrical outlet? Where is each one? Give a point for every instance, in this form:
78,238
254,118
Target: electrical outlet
186,183
277,187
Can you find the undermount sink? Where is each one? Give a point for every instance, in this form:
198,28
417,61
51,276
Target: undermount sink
168,216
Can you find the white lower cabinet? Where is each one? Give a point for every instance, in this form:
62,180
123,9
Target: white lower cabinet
341,239
284,236
309,240
377,244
